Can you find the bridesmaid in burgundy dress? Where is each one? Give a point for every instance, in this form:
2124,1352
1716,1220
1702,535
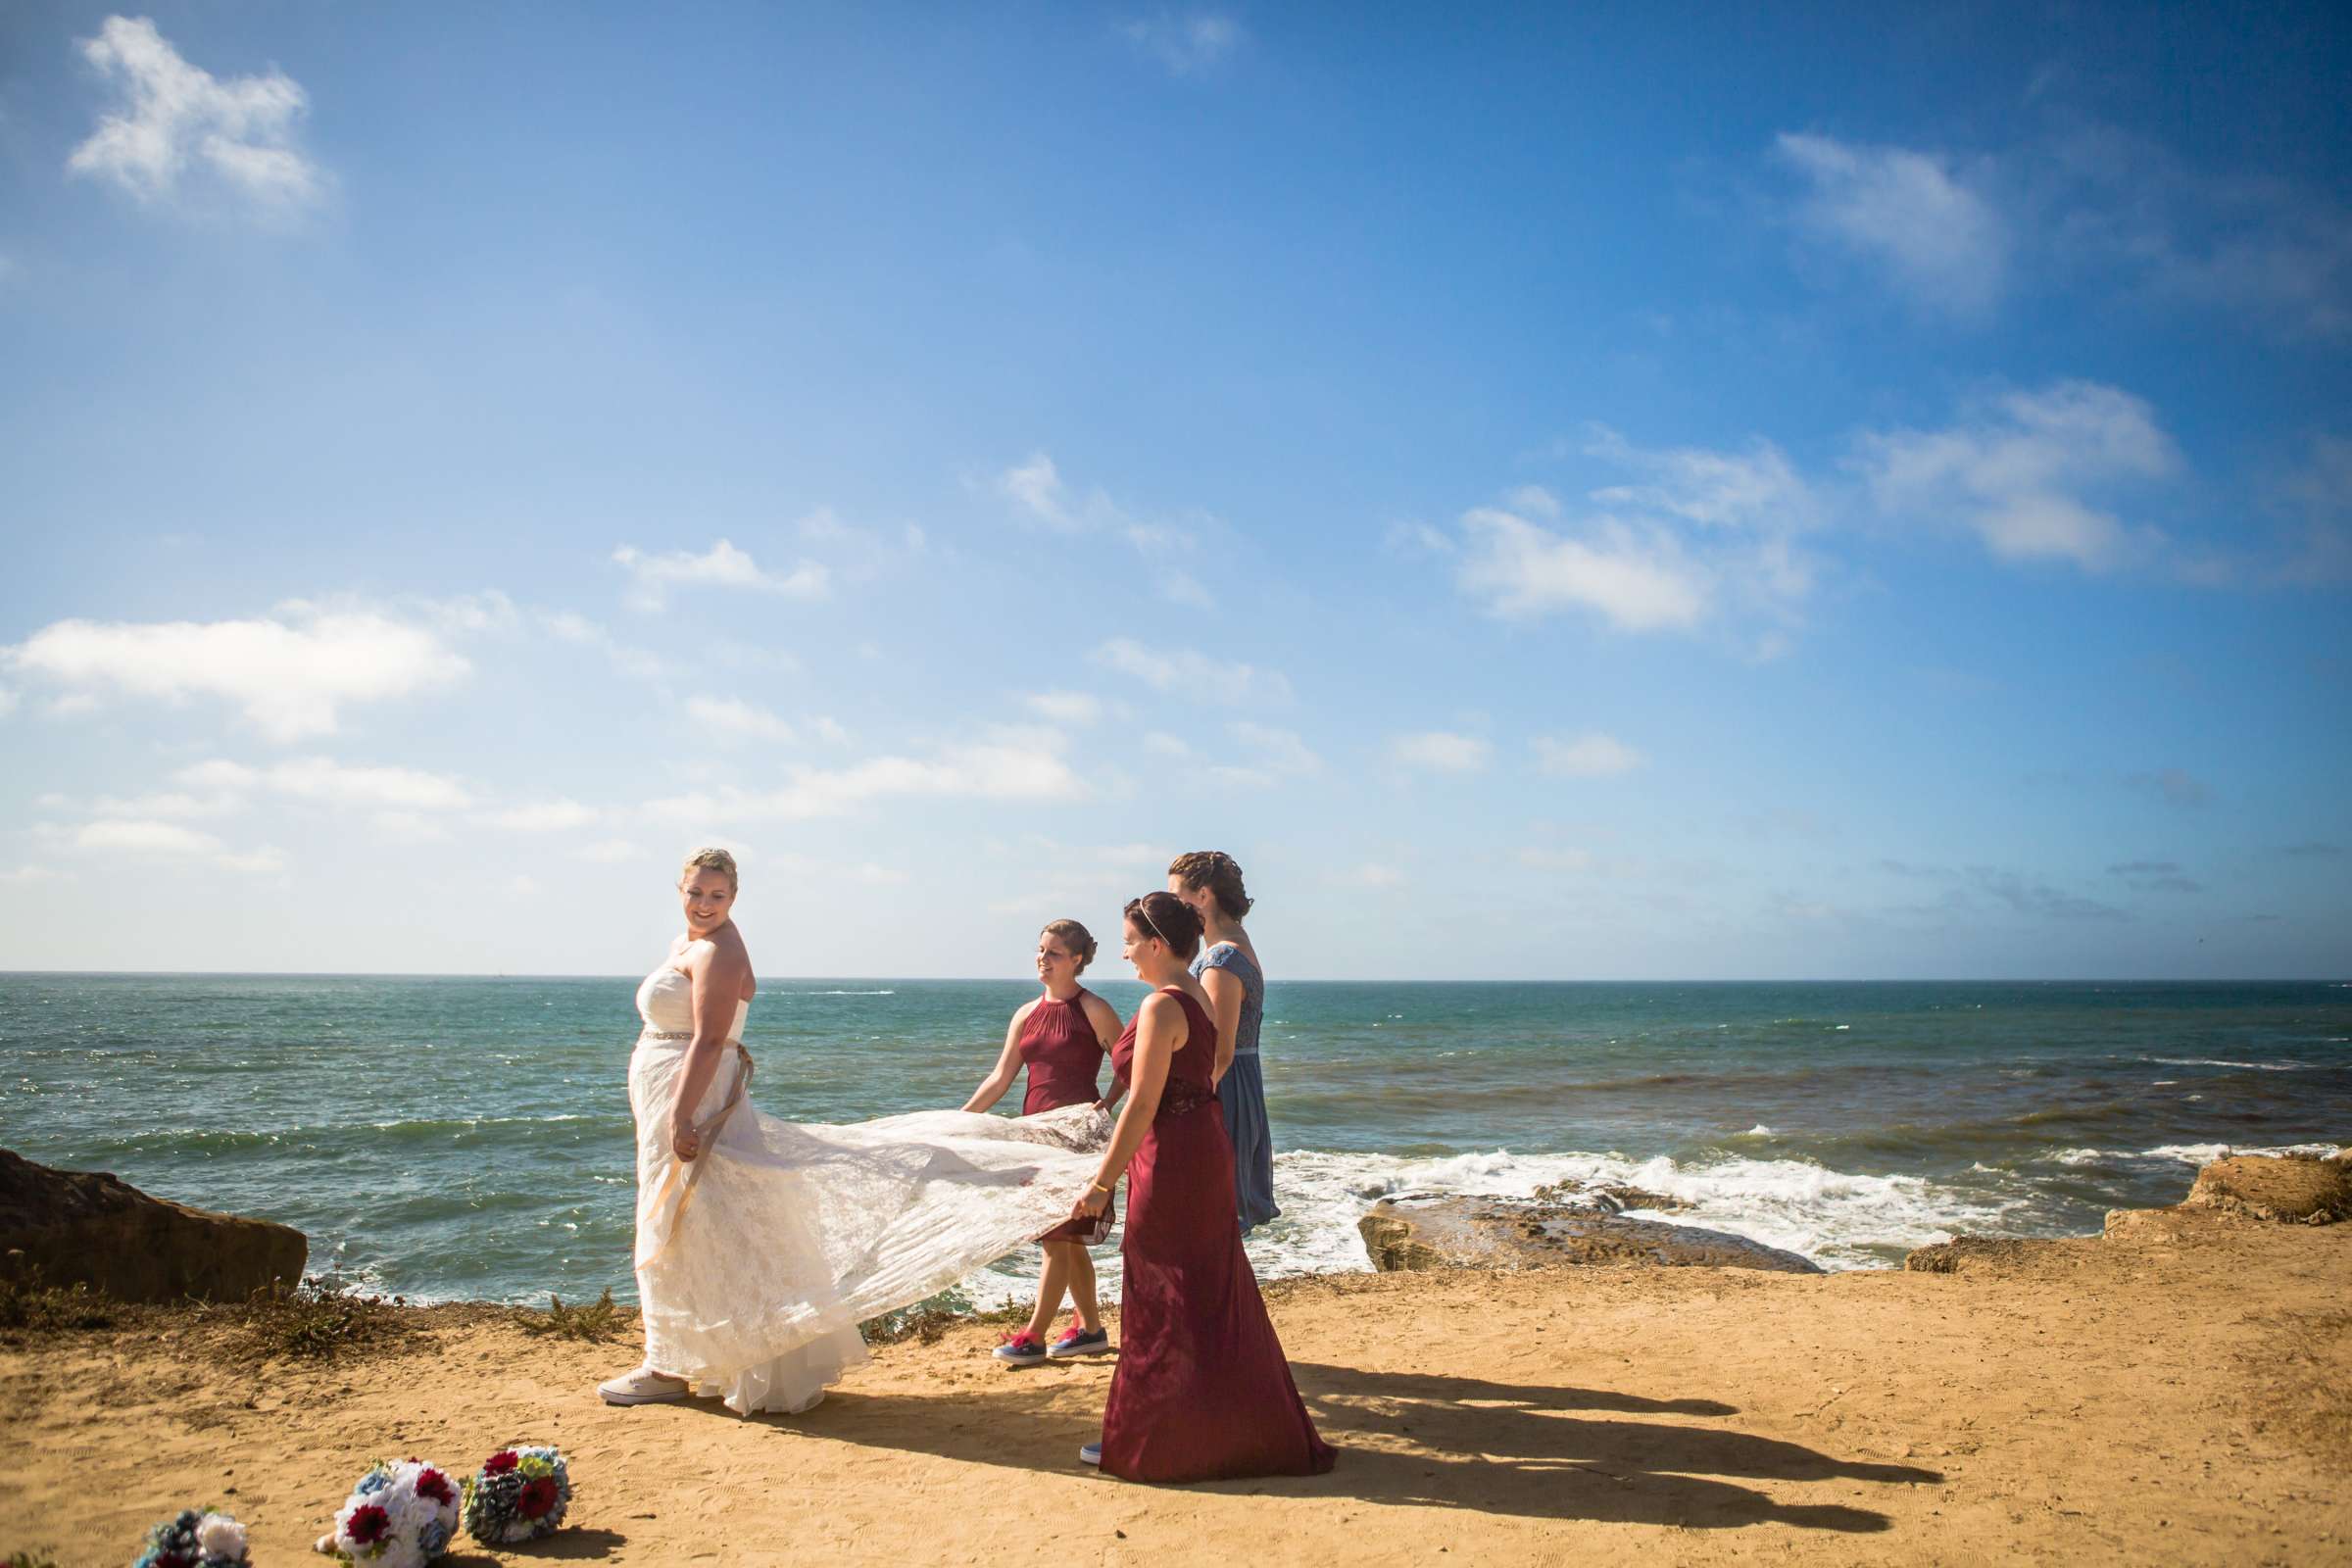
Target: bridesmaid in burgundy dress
1060,1038
1201,1391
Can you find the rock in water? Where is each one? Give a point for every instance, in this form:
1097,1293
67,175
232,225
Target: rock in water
2281,1186
84,1227
1446,1232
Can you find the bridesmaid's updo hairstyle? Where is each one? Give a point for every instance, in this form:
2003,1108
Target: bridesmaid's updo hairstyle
711,861
1168,917
1216,872
1081,942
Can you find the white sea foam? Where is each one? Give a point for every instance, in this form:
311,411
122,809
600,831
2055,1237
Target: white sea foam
2209,1061
2207,1154
1833,1217
845,993
1759,1130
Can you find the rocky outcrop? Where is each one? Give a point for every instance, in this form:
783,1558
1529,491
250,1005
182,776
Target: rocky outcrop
1964,1255
88,1228
2299,1188
1409,1233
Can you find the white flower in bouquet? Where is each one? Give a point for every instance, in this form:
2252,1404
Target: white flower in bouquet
220,1536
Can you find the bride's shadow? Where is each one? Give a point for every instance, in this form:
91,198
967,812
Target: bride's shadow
1420,1438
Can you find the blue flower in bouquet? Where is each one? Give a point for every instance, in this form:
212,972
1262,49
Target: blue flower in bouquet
519,1495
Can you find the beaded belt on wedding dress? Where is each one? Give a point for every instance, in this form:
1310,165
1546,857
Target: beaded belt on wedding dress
705,1138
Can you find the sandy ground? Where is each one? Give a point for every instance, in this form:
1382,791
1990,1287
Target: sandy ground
2184,1398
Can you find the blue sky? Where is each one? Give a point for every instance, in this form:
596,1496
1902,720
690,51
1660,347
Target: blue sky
1646,493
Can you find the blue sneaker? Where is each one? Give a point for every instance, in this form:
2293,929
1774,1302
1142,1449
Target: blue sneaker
1076,1341
1021,1350
1091,1454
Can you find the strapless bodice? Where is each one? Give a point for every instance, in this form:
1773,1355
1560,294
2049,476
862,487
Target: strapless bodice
666,1002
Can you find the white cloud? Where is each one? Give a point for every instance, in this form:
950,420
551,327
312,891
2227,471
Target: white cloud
1758,488
292,673
29,873
1186,42
829,730
1638,579
1263,757
1035,489
1372,874
322,778
558,816
1440,751
1023,767
8,701
610,852
408,827
2019,472
1065,707
733,718
172,116
723,565
1182,588
169,805
1589,755
1179,668
1166,745
1915,214
136,836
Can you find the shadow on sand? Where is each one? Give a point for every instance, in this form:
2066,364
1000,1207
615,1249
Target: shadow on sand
1423,1439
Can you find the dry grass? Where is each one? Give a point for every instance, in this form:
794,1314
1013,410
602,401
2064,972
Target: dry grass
600,1320
932,1316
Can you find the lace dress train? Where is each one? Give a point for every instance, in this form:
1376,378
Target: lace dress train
755,1268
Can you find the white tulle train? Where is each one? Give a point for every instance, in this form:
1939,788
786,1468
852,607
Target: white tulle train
755,1276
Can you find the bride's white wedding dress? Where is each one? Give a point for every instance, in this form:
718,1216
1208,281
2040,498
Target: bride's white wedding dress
756,1261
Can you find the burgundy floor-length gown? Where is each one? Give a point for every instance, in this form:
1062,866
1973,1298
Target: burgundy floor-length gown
1201,1391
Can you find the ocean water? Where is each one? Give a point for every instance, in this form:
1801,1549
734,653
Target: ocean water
465,1138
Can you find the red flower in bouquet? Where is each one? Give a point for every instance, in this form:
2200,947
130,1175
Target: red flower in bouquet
434,1485
369,1525
538,1496
499,1463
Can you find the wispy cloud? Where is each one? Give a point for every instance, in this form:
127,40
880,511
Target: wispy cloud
1592,755
1186,42
2025,471
1703,535
1638,579
1922,216
723,565
172,841
1177,668
559,815
2030,896
733,718
331,782
1027,765
292,673
1439,751
171,118
2155,876
1262,757
2170,785
1065,707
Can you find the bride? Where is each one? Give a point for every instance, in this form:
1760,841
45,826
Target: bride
761,1244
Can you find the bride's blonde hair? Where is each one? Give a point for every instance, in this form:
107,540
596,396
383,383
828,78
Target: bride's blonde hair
711,861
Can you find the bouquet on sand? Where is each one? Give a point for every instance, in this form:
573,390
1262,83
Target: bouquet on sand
519,1493
398,1515
197,1538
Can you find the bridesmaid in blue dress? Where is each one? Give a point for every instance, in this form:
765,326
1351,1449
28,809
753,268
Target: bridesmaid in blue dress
1210,881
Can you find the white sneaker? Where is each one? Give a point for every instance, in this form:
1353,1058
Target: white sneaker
644,1386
